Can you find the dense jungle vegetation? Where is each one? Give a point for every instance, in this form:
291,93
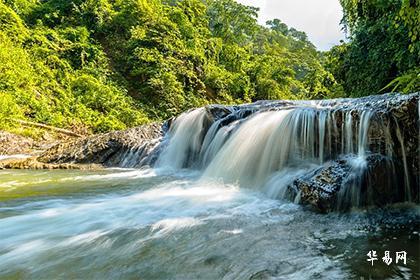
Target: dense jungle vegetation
100,65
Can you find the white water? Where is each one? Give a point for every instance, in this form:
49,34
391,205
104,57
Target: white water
184,140
322,124
268,150
214,141
348,135
208,210
363,133
253,152
134,223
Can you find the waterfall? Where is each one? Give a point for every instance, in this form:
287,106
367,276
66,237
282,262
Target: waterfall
254,150
268,146
214,140
363,133
184,140
322,120
348,135
250,151
268,142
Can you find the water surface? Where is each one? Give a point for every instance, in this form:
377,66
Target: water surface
137,224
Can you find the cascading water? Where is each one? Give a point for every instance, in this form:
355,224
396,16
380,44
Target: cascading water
264,144
208,207
264,149
184,140
322,122
348,135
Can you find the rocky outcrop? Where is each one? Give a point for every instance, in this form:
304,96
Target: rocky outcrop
387,172
127,148
14,144
348,182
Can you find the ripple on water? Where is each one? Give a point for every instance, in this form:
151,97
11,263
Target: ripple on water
108,225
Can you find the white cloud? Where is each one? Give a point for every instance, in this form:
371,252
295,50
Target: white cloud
319,19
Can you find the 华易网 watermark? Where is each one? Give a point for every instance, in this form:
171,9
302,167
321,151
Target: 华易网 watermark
387,259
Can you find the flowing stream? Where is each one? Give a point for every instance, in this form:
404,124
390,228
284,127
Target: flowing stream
214,206
138,224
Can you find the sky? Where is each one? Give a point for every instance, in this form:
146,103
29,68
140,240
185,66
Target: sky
320,19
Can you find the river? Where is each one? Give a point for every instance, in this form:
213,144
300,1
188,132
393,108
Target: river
154,224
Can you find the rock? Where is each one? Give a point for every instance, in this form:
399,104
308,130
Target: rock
319,188
390,172
14,144
216,112
348,182
109,149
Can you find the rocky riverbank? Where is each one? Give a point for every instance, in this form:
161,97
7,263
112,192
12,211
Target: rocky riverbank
389,171
92,152
111,149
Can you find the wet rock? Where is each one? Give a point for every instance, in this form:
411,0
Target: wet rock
319,187
109,149
216,112
389,174
349,182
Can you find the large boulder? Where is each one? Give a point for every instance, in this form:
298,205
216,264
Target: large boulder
350,181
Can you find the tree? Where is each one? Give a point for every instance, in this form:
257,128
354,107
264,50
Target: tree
383,52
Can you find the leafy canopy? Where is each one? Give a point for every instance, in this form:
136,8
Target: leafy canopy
107,65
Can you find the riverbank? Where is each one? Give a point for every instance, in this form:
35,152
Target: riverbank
330,154
21,152
88,152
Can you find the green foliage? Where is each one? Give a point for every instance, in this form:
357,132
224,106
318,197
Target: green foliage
384,48
8,110
233,22
409,15
11,24
112,64
59,76
409,82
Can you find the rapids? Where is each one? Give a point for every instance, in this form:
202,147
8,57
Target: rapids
151,225
220,194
